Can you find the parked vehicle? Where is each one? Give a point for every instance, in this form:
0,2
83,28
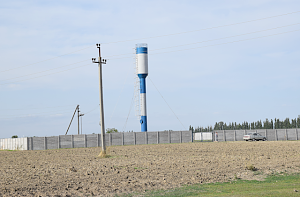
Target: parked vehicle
254,137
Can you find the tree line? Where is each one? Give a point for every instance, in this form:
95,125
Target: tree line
267,124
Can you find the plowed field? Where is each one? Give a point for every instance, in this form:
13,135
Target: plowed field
79,172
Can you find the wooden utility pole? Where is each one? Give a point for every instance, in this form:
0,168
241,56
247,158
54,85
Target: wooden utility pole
100,62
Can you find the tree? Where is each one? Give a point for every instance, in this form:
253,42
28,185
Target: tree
111,130
272,124
14,136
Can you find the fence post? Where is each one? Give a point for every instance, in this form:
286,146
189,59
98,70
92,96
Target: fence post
157,137
31,143
276,137
27,143
72,142
45,143
134,138
146,140
296,131
192,136
58,143
234,135
266,133
98,140
224,139
109,139
180,136
201,136
85,143
286,136
123,139
169,137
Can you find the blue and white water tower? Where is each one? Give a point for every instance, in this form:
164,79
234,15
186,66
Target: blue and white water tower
142,72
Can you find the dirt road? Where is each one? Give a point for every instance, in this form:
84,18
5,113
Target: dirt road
79,172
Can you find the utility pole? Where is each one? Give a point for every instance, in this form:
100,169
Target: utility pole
76,109
100,62
81,121
78,115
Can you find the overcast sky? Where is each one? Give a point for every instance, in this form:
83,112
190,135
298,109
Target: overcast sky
212,61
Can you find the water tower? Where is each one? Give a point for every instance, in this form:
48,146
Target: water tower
142,72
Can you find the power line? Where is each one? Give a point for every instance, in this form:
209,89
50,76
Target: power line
210,45
280,15
118,99
226,42
226,37
30,115
45,70
92,110
205,28
132,101
37,108
162,49
163,53
207,40
45,60
46,75
167,103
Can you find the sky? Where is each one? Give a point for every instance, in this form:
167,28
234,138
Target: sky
209,61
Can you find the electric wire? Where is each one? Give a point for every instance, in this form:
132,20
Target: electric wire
166,102
161,49
92,110
210,45
227,42
280,15
34,114
46,74
205,28
45,59
36,108
118,99
45,70
209,40
162,53
132,101
225,37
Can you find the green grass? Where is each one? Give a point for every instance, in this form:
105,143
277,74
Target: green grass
276,185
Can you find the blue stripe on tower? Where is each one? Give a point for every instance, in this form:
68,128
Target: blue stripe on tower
143,102
140,50
142,82
144,123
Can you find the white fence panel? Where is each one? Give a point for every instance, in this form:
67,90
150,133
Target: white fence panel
13,144
203,136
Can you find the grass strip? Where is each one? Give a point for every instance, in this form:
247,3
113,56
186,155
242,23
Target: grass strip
275,185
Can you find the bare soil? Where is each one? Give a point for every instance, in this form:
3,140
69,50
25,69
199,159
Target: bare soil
79,172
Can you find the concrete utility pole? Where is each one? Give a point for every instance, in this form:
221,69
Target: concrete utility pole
78,117
81,121
100,62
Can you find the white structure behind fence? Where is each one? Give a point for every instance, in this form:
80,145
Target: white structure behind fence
203,136
13,144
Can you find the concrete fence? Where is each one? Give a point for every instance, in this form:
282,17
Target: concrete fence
111,139
271,134
135,138
13,144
